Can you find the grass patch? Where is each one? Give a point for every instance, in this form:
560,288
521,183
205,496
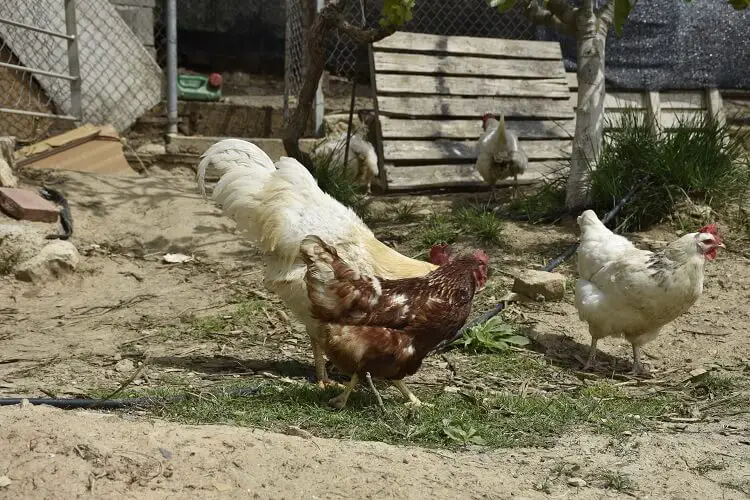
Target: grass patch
247,313
480,223
436,229
713,385
406,212
510,364
548,199
699,162
495,335
338,181
616,480
503,420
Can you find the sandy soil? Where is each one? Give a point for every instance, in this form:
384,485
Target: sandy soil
66,338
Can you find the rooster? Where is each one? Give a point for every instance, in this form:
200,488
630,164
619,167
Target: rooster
624,291
277,206
363,160
499,155
384,326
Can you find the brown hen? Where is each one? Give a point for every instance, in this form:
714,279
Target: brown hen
386,327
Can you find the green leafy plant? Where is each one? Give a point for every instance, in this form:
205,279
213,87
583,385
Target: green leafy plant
396,12
493,336
479,223
462,434
437,229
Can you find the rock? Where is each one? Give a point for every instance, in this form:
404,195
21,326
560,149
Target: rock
532,284
24,204
55,260
18,242
7,177
5,481
152,149
124,366
577,482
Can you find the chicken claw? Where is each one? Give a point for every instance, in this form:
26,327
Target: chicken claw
638,369
339,402
327,382
418,404
414,401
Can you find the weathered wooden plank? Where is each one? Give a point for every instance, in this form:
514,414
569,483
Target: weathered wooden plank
446,151
403,128
715,106
683,100
654,106
674,119
457,107
620,100
465,45
470,86
445,176
465,65
572,79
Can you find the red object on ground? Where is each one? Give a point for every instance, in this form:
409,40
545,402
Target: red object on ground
215,80
23,204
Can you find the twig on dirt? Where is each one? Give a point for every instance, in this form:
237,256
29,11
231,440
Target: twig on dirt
129,380
123,303
47,393
698,332
374,389
214,306
451,364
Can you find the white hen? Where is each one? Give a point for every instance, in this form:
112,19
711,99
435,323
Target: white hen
499,155
362,161
625,291
277,206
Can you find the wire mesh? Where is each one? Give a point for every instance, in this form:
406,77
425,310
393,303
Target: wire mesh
347,59
120,79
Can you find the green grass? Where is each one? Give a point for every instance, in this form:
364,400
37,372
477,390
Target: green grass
339,182
713,385
495,335
616,480
475,222
503,420
511,365
548,199
246,312
699,161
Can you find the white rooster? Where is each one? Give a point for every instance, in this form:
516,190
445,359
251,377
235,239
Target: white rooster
499,155
363,160
277,206
625,291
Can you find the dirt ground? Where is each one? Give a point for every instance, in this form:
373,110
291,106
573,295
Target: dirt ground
69,338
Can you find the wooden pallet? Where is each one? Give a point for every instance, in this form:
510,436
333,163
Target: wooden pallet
669,108
431,92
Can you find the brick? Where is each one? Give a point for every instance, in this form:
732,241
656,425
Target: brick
23,204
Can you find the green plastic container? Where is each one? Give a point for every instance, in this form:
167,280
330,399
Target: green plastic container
199,87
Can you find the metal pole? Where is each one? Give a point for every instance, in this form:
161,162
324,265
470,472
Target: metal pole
74,67
319,99
172,65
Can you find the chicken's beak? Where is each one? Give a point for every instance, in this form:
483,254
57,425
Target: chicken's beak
722,245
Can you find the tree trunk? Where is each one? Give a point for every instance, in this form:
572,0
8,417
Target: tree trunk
587,143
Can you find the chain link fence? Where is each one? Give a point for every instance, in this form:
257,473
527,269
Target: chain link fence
119,78
347,59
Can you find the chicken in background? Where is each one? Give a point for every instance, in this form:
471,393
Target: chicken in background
276,206
384,326
499,154
625,291
362,160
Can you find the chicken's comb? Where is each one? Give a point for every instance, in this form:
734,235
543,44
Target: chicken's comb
487,116
710,229
481,256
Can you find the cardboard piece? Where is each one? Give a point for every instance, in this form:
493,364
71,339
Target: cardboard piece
23,204
88,148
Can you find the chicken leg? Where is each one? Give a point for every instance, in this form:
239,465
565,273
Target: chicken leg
592,355
638,369
413,400
321,373
340,401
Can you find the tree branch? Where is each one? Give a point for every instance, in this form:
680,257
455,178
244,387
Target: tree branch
605,16
539,15
587,6
329,18
564,11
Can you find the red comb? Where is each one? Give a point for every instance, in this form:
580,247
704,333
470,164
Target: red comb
481,256
710,229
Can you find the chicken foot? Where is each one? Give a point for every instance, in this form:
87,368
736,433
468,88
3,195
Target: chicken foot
592,355
321,374
413,400
340,401
638,369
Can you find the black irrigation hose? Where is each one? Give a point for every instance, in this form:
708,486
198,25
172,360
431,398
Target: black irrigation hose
568,253
66,219
113,404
